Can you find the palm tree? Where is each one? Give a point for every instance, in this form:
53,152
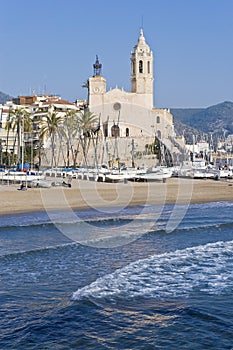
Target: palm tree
11,125
28,130
88,125
8,128
19,117
70,130
49,127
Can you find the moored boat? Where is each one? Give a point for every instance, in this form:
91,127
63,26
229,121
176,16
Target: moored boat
154,174
19,176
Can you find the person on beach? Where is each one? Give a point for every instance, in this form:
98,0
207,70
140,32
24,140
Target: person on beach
23,186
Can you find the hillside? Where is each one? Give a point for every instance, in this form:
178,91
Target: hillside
4,97
217,119
187,131
185,114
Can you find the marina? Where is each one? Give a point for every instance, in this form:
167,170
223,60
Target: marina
188,170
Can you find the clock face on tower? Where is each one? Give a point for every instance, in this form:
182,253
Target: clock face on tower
96,89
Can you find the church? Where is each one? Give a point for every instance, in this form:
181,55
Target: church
131,115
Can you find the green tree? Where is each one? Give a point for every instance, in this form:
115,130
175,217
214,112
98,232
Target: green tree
69,132
19,120
88,126
49,126
8,128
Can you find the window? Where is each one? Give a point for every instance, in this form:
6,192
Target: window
148,67
117,106
140,66
127,132
115,131
158,119
133,68
159,134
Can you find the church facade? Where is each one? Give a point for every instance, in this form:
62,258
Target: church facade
131,115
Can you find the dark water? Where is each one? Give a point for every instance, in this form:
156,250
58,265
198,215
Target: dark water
135,282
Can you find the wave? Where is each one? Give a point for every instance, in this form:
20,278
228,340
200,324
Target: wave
202,227
34,250
211,205
111,237
73,217
205,268
110,232
94,216
120,220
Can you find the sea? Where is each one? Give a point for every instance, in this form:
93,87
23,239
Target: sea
139,277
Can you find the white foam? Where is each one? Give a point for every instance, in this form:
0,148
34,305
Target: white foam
206,268
213,205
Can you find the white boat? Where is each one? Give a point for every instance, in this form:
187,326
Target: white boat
155,174
186,169
61,172
105,174
225,172
196,170
120,175
114,177
19,176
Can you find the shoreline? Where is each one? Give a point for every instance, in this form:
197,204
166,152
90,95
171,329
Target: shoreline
96,195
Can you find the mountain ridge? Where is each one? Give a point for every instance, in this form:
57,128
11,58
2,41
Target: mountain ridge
4,97
217,119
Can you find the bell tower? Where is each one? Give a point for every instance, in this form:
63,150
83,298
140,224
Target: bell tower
96,85
142,70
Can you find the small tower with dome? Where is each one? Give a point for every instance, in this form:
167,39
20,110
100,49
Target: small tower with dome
96,85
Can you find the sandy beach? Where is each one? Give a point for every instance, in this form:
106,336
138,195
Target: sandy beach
87,194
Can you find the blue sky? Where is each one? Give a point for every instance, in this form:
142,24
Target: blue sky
51,45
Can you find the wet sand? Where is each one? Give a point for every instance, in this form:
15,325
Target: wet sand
87,194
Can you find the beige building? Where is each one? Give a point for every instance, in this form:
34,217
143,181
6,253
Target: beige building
132,115
37,107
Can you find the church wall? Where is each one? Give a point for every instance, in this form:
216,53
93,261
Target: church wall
138,120
117,95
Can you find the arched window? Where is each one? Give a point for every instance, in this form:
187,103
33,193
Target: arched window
148,67
159,134
115,131
140,66
133,67
158,119
127,132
